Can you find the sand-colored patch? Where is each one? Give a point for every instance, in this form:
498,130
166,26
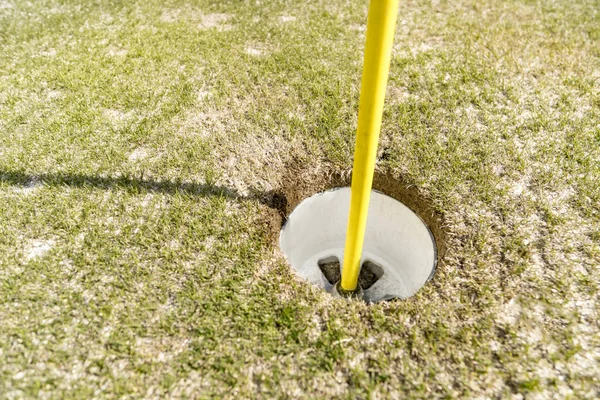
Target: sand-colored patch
509,313
209,21
255,51
169,15
114,51
48,53
286,18
29,188
359,28
117,118
202,123
203,94
203,21
54,94
38,248
137,155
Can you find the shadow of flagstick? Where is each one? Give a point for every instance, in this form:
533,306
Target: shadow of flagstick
271,199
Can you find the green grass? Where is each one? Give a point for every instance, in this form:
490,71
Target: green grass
136,141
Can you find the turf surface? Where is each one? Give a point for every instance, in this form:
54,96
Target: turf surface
138,141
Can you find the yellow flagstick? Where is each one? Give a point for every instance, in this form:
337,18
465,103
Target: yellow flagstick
381,26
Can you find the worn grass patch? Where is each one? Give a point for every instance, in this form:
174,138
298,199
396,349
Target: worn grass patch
140,143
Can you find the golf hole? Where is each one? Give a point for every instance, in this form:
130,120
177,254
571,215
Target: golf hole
400,252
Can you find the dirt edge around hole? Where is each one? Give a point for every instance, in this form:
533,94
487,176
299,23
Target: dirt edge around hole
298,184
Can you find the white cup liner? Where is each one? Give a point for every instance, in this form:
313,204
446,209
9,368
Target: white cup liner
396,239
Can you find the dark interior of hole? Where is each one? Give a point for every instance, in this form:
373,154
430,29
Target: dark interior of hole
330,267
369,272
